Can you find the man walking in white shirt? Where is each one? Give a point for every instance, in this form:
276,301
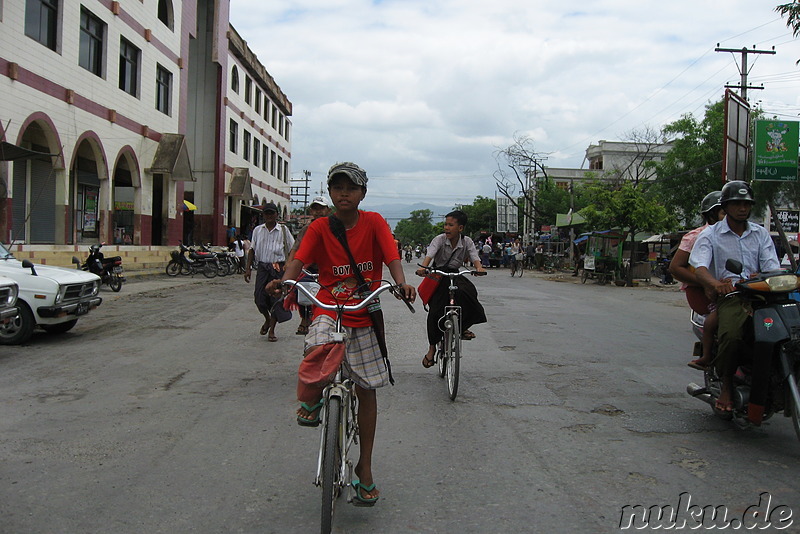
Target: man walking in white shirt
270,246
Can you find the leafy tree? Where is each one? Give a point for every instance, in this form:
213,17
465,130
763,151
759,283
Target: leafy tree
416,229
693,168
628,207
481,215
792,13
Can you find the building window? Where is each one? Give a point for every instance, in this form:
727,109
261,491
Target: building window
256,151
248,88
129,67
272,162
165,13
41,21
258,100
274,116
266,108
286,131
280,125
246,146
264,158
233,141
163,89
286,171
90,54
235,80
280,168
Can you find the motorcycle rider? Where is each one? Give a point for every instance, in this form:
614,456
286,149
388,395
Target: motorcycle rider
736,238
711,211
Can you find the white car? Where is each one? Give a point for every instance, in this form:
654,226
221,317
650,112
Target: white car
8,300
50,297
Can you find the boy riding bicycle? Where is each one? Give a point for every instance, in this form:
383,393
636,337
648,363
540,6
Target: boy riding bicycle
448,252
371,243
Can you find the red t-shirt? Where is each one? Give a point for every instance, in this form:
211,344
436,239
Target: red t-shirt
372,245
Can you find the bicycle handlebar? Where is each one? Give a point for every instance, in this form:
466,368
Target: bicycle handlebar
351,307
453,275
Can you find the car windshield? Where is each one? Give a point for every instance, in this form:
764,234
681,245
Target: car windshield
4,253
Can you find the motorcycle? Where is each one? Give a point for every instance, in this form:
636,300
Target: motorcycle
419,253
766,378
408,256
108,269
186,261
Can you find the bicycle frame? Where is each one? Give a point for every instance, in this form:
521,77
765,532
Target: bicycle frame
341,389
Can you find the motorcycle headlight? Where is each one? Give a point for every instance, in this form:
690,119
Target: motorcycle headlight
779,284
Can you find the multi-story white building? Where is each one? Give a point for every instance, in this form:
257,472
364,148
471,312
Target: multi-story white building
613,160
133,102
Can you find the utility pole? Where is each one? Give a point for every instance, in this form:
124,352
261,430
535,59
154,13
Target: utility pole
743,70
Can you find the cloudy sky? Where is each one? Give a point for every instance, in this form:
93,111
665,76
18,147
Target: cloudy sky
422,93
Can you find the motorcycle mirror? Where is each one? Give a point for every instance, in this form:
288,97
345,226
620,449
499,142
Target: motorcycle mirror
27,264
734,266
77,262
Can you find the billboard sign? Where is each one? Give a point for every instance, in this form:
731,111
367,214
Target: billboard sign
775,149
507,216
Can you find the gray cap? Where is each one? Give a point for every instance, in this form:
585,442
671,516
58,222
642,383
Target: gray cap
356,174
321,200
270,206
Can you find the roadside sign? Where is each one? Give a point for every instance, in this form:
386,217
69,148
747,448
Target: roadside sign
776,150
507,216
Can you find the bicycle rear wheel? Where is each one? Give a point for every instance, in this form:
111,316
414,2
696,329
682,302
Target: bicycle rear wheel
331,463
454,356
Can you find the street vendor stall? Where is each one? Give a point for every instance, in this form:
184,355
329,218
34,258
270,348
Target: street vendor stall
602,255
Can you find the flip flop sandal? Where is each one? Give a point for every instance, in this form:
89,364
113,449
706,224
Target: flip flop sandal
302,421
302,330
264,328
358,500
272,338
467,335
699,366
427,362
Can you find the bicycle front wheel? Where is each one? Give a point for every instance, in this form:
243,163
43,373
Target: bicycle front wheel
454,357
331,463
520,268
441,356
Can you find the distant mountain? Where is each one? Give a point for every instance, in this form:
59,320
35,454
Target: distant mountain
394,212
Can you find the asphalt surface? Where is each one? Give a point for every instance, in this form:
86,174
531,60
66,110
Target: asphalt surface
165,411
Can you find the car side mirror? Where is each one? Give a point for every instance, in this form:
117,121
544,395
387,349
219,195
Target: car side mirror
734,266
27,264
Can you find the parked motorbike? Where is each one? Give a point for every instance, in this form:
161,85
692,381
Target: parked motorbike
766,378
186,261
108,269
226,260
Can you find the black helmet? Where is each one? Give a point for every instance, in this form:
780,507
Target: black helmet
736,190
710,201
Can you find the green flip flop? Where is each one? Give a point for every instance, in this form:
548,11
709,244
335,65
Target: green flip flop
302,421
358,500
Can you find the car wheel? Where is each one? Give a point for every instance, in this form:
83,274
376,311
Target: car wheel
20,329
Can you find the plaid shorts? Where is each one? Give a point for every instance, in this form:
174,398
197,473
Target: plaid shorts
363,362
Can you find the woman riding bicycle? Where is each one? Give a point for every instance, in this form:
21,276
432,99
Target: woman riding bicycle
448,252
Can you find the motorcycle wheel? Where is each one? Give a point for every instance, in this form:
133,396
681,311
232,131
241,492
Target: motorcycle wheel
209,270
186,269
115,283
173,268
795,405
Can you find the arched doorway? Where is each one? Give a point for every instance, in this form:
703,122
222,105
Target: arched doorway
89,191
125,196
34,186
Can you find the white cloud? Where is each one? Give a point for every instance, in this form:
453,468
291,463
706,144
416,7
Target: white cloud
421,93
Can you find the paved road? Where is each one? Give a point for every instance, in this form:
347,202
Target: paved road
165,411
